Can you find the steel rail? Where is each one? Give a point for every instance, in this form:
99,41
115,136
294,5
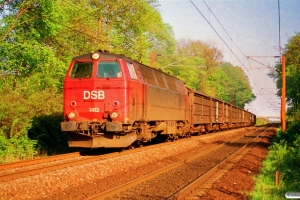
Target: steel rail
37,170
233,158
51,167
123,187
24,163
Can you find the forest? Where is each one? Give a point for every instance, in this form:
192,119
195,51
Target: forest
39,38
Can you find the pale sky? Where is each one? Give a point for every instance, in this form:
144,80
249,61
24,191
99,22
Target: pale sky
253,29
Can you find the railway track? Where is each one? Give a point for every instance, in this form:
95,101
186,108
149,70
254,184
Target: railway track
176,181
26,168
25,163
197,188
89,178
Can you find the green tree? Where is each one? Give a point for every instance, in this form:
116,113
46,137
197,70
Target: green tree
22,49
292,53
239,84
201,67
133,28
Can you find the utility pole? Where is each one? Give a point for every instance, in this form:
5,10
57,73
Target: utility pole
283,96
152,59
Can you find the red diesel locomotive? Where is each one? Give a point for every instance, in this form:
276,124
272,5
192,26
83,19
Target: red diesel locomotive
112,101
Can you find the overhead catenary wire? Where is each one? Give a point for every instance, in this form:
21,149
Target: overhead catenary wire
223,27
221,37
279,45
215,31
251,75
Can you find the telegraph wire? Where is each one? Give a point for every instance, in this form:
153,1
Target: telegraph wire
254,79
279,30
250,75
223,27
220,37
216,32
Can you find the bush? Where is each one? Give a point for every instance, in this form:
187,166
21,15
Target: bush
18,147
24,111
46,130
284,156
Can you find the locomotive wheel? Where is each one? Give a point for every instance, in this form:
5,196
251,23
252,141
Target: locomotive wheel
139,144
170,138
132,146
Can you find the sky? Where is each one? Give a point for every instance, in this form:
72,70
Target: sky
248,32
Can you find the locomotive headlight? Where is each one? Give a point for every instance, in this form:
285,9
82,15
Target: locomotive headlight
116,103
114,115
73,103
71,115
95,56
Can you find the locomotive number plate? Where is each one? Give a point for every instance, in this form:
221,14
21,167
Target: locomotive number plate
94,110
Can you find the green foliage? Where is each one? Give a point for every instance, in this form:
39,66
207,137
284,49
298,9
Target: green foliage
292,54
31,20
261,121
20,109
237,84
133,28
46,131
199,65
32,63
18,147
284,156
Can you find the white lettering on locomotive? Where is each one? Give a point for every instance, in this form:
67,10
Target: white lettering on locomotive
94,110
93,94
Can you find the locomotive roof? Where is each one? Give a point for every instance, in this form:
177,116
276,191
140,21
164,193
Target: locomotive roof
102,54
107,55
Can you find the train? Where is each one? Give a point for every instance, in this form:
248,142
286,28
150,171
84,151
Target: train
112,101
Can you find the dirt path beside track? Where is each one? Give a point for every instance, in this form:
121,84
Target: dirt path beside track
238,182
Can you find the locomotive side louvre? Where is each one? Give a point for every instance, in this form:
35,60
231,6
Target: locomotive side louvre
165,101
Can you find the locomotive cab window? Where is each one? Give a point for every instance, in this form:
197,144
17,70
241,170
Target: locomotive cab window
81,70
109,70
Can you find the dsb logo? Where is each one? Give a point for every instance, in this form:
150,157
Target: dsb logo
93,94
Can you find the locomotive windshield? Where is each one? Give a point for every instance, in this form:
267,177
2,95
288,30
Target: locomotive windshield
109,70
81,70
